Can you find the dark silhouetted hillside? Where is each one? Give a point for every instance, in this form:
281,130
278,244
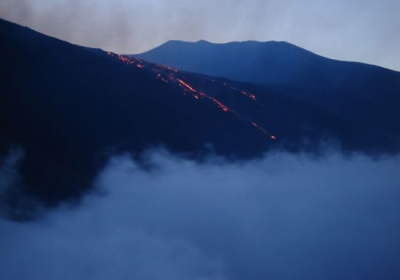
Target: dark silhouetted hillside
69,108
361,93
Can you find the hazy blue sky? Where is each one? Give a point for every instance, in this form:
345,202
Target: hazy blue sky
358,30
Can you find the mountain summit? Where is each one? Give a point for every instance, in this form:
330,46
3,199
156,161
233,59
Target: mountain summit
257,62
365,94
250,61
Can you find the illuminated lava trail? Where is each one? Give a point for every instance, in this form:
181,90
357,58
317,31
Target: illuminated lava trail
252,97
202,94
168,74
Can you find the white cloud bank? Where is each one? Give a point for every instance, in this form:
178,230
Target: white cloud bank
282,217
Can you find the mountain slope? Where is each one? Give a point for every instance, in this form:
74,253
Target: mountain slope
70,108
361,93
274,63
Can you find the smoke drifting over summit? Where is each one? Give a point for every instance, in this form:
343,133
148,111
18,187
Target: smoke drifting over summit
281,217
348,30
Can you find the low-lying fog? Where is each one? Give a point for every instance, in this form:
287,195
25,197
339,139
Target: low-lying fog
282,217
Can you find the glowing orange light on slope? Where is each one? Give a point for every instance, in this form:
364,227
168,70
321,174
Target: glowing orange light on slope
186,85
125,59
169,68
259,128
220,105
187,88
250,95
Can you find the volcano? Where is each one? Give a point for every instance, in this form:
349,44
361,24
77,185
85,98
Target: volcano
364,94
69,108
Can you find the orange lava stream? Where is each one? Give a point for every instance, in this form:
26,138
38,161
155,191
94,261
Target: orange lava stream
257,126
168,68
202,94
188,88
186,85
249,95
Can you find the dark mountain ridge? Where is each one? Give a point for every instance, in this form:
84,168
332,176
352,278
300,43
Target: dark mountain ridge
366,94
70,108
280,62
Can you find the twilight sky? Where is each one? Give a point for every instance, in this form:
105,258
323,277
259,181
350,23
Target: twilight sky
357,30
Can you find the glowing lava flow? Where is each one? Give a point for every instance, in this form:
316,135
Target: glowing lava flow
168,68
256,126
171,76
220,105
224,108
249,95
202,94
186,85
